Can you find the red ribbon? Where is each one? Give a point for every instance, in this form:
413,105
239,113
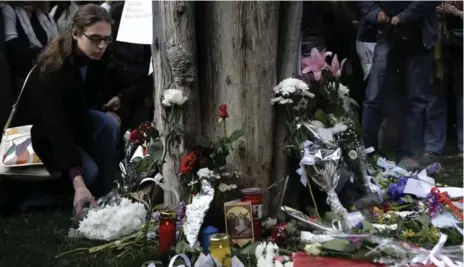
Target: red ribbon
444,198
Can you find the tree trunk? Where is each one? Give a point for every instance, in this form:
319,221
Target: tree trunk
237,48
287,64
174,59
242,52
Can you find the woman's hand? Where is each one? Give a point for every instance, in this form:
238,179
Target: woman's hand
82,196
114,104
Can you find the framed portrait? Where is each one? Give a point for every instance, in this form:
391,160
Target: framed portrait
239,222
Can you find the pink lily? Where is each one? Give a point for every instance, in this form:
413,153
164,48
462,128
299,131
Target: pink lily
337,68
315,63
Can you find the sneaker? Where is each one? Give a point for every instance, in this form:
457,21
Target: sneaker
408,164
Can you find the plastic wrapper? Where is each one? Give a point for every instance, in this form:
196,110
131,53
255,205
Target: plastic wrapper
196,211
327,179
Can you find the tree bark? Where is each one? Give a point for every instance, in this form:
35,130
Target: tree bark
237,53
174,59
288,64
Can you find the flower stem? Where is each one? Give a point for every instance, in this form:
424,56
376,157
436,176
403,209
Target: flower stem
224,127
308,182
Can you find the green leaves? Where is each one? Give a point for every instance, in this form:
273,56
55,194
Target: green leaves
339,245
156,149
236,135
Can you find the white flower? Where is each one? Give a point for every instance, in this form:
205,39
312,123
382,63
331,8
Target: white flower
317,124
313,249
288,264
269,223
173,97
343,91
338,128
278,264
352,154
276,100
207,173
385,227
192,183
226,187
113,221
307,94
290,85
285,101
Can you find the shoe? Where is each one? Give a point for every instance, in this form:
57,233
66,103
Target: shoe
408,164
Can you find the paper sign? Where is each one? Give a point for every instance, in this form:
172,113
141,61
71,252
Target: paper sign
445,220
453,192
150,69
136,22
418,187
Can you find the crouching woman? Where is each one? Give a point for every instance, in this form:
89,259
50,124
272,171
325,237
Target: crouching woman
71,134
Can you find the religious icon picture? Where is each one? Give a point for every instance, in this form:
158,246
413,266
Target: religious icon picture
239,222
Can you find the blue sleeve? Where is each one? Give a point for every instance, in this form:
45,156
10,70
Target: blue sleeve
418,9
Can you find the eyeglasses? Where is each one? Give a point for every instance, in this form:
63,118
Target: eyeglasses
97,39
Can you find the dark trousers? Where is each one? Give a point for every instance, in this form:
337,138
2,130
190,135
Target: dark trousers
417,68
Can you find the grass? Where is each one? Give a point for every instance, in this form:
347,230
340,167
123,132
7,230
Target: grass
34,239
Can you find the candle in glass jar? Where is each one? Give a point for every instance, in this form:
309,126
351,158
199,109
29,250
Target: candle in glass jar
219,246
167,232
254,196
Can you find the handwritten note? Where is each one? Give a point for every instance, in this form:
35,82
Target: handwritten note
136,22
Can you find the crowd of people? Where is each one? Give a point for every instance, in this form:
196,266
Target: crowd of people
85,88
416,59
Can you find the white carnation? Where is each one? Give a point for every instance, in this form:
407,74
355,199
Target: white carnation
113,221
290,85
352,155
207,173
226,187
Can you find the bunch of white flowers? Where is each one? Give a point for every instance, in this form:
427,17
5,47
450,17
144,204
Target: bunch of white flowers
267,255
113,221
288,87
206,173
226,187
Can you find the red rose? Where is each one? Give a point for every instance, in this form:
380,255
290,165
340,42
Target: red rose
223,111
279,234
134,136
188,163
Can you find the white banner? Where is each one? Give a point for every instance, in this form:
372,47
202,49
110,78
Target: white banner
136,22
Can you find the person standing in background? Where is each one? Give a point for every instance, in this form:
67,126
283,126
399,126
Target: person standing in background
28,29
448,69
407,34
5,94
64,12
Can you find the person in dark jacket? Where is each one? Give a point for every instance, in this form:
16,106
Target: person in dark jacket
72,134
28,29
130,64
448,69
406,33
5,94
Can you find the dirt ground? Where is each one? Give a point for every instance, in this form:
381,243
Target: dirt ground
34,239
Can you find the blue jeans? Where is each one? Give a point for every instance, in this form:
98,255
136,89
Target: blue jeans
417,71
436,115
99,156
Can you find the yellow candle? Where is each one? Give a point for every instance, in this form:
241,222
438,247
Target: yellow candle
220,249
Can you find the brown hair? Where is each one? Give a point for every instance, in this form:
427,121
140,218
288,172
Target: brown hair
59,49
